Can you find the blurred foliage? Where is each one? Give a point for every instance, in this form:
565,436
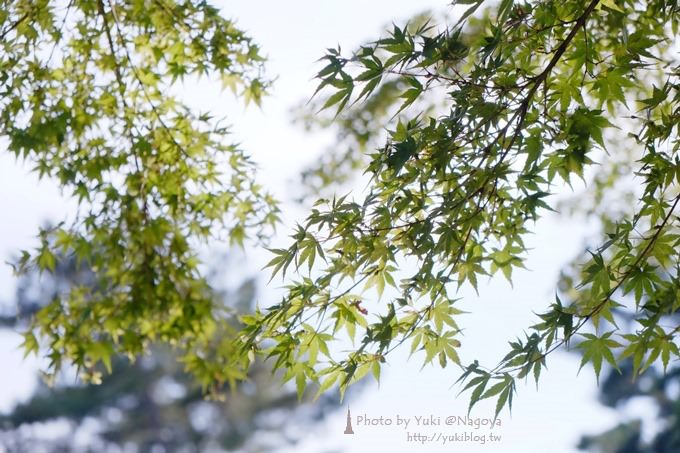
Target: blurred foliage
150,403
616,390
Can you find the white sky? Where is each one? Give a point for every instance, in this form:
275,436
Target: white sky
293,34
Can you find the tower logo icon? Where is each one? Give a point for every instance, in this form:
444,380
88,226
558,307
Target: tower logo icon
348,428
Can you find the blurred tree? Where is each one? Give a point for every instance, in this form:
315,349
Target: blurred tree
617,389
151,404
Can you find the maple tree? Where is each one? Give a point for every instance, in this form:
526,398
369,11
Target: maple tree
534,92
496,111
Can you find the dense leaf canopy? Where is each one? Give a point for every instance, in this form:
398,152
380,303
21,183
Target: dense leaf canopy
497,111
86,96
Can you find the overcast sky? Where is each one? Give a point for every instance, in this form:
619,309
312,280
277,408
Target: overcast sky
293,34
